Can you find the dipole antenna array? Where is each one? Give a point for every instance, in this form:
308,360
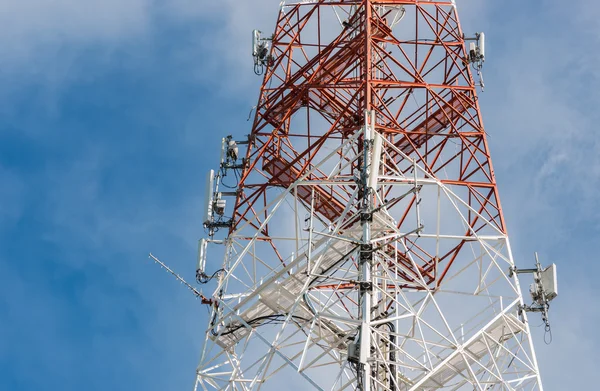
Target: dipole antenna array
355,238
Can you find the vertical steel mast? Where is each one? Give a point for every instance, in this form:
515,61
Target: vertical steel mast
363,238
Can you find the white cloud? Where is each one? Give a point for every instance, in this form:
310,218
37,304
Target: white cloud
539,110
31,26
52,44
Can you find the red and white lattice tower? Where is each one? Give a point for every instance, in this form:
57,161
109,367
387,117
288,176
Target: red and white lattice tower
365,246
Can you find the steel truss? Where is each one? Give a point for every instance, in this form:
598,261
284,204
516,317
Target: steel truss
367,248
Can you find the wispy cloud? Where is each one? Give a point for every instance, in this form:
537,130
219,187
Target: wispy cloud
538,109
94,162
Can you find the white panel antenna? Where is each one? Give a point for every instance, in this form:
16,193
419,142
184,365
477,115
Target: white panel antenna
481,40
209,198
375,161
549,282
255,42
202,247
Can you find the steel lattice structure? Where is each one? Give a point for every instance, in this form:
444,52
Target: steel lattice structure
367,247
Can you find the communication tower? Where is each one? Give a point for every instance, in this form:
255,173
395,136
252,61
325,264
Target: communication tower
363,239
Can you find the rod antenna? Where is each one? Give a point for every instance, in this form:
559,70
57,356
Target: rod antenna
178,277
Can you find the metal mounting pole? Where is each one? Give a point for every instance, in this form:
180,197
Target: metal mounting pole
366,259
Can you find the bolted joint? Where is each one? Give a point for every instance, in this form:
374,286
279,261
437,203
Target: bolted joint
366,252
366,217
512,271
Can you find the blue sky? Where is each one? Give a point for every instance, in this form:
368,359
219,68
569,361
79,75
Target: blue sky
111,113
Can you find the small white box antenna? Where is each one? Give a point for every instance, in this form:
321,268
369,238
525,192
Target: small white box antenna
219,206
472,49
